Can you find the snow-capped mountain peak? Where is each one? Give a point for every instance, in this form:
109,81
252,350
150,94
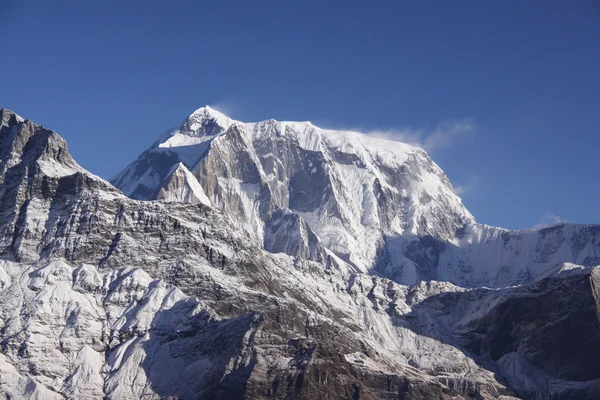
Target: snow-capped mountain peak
208,113
376,204
352,190
202,125
102,296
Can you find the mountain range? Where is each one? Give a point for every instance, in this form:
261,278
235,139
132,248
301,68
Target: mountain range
279,260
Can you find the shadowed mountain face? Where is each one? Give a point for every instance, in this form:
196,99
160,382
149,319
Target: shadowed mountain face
254,277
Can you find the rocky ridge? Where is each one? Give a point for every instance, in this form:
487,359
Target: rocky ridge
378,205
105,296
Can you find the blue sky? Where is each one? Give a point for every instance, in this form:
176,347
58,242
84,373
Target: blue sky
505,94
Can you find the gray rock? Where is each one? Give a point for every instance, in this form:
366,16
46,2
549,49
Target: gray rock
104,296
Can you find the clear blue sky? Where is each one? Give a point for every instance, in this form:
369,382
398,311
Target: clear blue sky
111,77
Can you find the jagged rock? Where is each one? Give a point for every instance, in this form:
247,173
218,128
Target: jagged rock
375,204
103,296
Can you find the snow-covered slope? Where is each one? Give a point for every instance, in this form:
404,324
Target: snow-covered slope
351,189
379,205
181,185
102,296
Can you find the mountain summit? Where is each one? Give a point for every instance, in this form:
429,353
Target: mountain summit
279,261
370,204
350,191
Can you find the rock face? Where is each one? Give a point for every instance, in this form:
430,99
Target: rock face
180,185
354,192
377,205
230,287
